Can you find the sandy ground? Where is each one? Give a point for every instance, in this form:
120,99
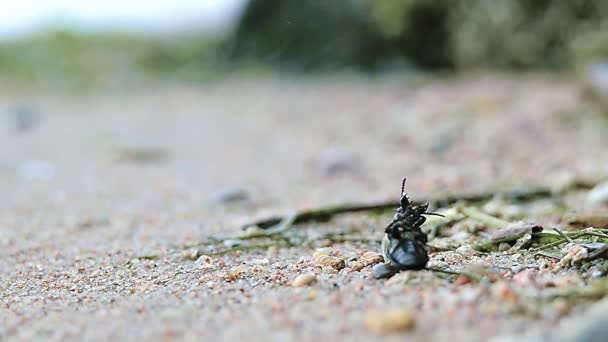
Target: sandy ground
100,180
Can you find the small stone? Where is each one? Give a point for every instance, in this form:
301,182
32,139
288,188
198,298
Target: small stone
191,254
357,266
304,280
597,271
204,261
26,116
390,321
371,258
36,170
596,82
228,195
237,271
575,254
141,154
503,291
503,246
517,268
319,253
582,221
322,259
462,280
598,196
400,279
561,307
465,250
312,295
367,259
524,277
561,180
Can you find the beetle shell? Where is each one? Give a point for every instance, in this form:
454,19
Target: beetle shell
407,254
404,246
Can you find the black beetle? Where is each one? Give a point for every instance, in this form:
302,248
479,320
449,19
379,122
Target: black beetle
404,247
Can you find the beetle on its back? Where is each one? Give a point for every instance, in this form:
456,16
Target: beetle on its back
404,247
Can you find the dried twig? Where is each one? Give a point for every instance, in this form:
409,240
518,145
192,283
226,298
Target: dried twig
472,276
250,247
597,253
322,214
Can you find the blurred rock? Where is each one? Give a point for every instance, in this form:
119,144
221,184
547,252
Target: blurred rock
25,117
582,221
390,321
596,82
304,280
589,327
333,162
228,195
598,196
36,170
141,154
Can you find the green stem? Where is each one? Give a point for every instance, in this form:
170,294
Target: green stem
488,220
562,234
246,248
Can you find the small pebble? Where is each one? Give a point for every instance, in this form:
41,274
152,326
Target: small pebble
561,307
228,195
25,117
598,196
597,272
191,254
503,246
371,258
312,295
36,170
141,154
503,291
322,259
466,251
357,266
462,280
304,280
204,261
237,271
596,81
390,321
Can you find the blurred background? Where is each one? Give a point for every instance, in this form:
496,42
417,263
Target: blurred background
67,41
154,103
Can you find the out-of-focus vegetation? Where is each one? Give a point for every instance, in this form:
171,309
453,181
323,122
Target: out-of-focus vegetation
69,59
448,34
316,35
